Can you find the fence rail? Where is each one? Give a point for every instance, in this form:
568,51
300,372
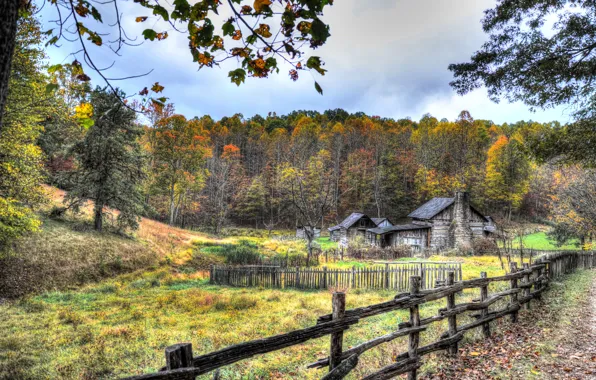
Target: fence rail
525,284
387,276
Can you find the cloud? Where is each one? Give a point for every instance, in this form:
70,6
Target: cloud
385,57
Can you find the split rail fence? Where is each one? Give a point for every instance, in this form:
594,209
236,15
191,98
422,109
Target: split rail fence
525,284
394,276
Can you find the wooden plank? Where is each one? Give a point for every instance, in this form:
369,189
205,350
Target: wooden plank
343,369
363,347
452,320
337,338
484,312
414,337
232,354
396,369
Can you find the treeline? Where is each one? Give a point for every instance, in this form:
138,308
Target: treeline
202,173
273,171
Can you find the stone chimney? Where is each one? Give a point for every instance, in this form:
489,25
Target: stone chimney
460,233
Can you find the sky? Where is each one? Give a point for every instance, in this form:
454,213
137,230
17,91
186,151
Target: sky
385,58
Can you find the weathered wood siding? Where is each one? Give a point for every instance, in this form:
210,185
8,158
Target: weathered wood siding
441,224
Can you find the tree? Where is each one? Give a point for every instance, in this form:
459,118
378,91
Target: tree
252,202
21,161
574,205
109,163
179,151
310,190
255,45
530,58
507,172
222,186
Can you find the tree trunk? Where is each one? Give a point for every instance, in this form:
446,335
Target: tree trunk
172,207
98,218
9,14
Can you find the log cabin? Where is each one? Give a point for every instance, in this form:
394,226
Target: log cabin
439,223
355,226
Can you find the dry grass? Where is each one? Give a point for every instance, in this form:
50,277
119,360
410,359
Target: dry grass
125,323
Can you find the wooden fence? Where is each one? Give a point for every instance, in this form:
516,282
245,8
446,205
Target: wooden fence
524,285
387,276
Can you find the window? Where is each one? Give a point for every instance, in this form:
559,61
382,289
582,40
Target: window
362,222
413,241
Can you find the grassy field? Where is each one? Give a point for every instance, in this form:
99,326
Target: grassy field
120,327
541,241
119,324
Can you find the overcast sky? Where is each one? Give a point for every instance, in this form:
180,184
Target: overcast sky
385,57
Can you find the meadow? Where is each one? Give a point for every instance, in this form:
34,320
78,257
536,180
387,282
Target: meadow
118,301
120,326
541,241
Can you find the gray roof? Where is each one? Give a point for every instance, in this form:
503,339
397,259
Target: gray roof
431,208
402,227
380,220
350,220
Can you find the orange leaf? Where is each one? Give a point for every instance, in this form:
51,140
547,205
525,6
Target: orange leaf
260,4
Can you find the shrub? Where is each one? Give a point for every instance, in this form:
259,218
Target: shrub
483,246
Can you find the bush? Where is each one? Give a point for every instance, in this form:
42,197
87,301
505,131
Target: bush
484,246
376,253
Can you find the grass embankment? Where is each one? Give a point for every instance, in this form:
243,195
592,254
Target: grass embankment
541,241
120,327
67,252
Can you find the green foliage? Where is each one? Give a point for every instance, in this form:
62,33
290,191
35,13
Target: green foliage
297,23
530,58
110,162
21,161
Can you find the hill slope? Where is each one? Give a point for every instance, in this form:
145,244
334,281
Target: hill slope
67,252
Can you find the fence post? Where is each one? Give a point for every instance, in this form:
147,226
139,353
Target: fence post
484,312
339,310
414,338
513,269
386,276
422,282
527,289
452,320
179,356
324,277
353,277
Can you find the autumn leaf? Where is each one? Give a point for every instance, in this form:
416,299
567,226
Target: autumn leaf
237,35
144,91
260,5
264,30
157,87
141,19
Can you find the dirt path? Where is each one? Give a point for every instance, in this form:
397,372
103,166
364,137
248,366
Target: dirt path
575,352
556,339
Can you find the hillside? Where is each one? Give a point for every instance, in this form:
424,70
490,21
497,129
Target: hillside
67,252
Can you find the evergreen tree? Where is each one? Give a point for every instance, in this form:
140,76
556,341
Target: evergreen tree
110,162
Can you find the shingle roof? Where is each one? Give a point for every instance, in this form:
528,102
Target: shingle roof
402,227
379,220
431,208
334,228
350,220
